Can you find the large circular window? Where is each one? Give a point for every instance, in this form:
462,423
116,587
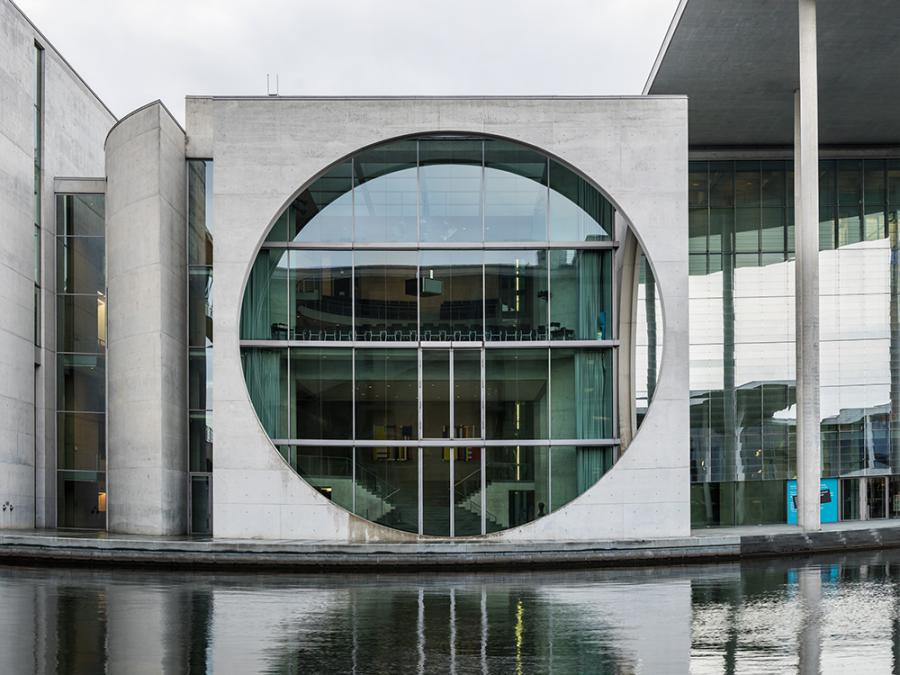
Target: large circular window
427,335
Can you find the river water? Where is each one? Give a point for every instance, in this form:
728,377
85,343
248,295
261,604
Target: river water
832,614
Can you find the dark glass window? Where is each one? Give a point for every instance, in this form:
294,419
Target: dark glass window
324,211
387,394
516,393
515,295
321,393
385,286
321,285
451,297
580,294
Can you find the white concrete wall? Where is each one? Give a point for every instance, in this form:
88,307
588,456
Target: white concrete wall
75,124
147,331
265,150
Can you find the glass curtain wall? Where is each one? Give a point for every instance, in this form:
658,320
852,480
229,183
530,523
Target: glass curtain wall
38,158
81,361
428,335
200,344
743,395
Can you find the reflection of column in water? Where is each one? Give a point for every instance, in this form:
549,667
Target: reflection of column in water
420,631
810,579
453,631
484,630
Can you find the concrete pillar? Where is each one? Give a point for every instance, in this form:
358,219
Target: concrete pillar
806,209
147,332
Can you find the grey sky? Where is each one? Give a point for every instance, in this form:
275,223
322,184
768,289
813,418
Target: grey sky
135,51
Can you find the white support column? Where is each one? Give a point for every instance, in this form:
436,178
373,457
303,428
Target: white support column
806,210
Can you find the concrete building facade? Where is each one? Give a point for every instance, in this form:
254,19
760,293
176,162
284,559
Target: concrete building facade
514,318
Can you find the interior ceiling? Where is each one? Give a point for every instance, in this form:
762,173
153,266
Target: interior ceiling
737,60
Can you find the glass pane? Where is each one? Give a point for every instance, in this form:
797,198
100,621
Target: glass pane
721,230
848,182
266,375
264,313
826,227
321,393
451,298
450,176
81,382
698,230
517,486
515,295
575,469
200,378
581,386
385,283
328,470
200,307
827,187
516,393
200,242
324,211
581,294
746,230
81,441
200,503
746,184
578,212
79,264
81,323
849,230
698,184
436,491
773,184
515,193
721,184
201,441
386,394
467,492
321,286
81,215
386,195
435,393
387,487
81,499
773,229
874,182
467,393
893,182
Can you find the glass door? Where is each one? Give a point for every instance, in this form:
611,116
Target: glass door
450,485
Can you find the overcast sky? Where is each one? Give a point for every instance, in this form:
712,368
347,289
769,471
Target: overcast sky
134,51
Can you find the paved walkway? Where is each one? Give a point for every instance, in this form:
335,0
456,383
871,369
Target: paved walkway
101,548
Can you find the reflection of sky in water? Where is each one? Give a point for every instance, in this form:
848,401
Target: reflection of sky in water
854,327
758,616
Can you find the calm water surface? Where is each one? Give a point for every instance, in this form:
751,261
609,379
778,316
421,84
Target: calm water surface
834,615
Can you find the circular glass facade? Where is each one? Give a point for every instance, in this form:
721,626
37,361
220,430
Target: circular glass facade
427,335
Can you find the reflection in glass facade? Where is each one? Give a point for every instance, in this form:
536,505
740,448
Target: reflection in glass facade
427,335
743,397
200,344
81,361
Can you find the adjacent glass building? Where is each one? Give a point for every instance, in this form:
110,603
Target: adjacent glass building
743,396
428,334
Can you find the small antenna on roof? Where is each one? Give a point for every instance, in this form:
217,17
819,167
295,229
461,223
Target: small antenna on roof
269,91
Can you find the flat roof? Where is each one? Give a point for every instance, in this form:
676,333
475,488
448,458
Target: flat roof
737,61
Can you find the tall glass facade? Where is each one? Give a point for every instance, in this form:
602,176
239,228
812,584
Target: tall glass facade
200,343
743,395
81,361
38,158
427,335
